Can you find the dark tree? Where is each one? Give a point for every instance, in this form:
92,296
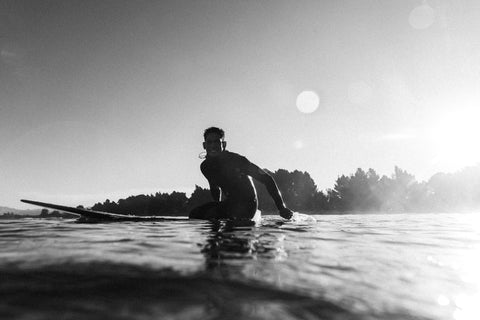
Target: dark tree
361,191
199,197
357,192
297,188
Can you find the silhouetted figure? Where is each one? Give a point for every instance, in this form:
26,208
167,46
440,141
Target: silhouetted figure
230,174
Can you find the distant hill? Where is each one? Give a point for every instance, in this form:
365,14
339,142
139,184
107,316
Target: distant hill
32,212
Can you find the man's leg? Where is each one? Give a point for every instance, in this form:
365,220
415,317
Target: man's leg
225,210
207,211
241,210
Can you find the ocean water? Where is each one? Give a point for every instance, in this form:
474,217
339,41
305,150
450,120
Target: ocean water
382,266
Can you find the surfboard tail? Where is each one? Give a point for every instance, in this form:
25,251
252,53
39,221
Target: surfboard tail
99,215
55,206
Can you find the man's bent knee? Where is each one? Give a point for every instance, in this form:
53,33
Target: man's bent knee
206,211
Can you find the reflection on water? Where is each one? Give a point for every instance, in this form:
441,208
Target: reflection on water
420,266
226,243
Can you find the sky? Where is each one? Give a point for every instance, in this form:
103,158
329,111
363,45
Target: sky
106,99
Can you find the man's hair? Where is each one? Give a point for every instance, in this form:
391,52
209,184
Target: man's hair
216,130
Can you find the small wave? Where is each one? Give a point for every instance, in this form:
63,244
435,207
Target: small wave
120,291
303,218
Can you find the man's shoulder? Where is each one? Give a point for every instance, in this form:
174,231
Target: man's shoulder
234,155
209,164
203,165
227,157
238,160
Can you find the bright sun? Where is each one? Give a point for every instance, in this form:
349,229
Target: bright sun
456,138
307,101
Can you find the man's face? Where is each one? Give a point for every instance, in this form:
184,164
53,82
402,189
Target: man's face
214,144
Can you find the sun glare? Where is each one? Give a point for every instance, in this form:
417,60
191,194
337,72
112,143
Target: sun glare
455,137
307,101
468,266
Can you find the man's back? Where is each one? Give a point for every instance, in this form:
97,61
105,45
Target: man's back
229,171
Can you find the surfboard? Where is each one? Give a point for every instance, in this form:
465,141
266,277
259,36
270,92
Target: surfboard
100,215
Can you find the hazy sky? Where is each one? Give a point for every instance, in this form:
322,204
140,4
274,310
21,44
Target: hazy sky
105,99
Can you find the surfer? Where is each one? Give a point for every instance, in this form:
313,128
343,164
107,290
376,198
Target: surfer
231,174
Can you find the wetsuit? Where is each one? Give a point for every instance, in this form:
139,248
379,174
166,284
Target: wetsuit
230,174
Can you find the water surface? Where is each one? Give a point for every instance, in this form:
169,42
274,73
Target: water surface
403,266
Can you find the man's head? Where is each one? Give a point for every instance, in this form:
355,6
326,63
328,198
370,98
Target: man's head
214,141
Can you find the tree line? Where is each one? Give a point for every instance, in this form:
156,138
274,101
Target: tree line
362,191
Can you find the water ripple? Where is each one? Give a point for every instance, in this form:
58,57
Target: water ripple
337,267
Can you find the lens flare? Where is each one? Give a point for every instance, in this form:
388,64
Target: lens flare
307,101
299,144
422,17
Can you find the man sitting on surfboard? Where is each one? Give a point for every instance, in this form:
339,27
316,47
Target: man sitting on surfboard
230,173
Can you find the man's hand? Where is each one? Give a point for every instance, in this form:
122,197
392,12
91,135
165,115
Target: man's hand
286,213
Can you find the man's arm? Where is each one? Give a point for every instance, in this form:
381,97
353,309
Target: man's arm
261,175
215,190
